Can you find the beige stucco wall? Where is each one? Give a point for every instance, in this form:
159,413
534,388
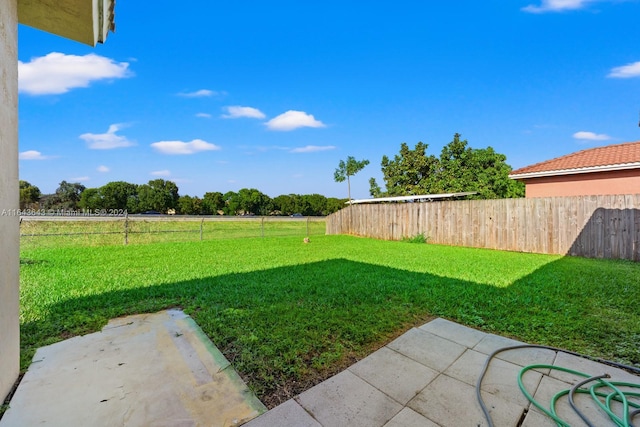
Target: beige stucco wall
585,184
9,222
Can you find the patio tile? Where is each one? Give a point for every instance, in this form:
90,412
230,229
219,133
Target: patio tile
451,403
410,418
347,400
538,419
426,348
288,414
501,378
550,386
394,374
454,332
589,367
522,357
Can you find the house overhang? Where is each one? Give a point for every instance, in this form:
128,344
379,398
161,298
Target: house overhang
85,21
606,168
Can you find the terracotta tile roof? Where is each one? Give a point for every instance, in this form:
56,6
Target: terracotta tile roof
612,157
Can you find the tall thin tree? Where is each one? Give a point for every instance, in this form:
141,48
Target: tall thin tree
348,168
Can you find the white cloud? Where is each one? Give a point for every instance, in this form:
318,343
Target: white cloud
204,115
237,111
103,169
293,120
163,172
58,73
313,148
626,71
591,136
79,179
556,6
108,140
32,155
202,93
180,147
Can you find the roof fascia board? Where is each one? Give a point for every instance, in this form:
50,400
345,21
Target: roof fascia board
85,21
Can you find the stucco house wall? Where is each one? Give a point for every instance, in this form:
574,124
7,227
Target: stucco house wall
585,184
9,221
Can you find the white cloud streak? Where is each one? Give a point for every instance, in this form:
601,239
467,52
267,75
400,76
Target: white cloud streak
204,115
32,155
108,140
293,119
79,179
237,111
625,71
313,148
180,147
57,73
164,172
591,136
102,169
556,6
202,93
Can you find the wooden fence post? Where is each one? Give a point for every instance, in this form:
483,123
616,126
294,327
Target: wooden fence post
201,228
262,226
126,228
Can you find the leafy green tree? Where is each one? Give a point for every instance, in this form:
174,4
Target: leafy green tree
346,169
212,202
252,201
119,195
334,205
231,203
158,195
67,196
188,205
459,168
408,173
284,204
91,200
29,195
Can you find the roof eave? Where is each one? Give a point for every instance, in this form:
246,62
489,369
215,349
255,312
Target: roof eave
558,172
85,21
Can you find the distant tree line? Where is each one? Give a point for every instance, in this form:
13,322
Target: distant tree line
162,196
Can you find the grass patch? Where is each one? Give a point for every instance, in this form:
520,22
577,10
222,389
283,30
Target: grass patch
288,314
418,238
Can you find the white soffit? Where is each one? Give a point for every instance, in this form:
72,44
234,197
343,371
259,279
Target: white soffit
85,21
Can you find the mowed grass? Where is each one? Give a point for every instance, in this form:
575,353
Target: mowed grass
289,314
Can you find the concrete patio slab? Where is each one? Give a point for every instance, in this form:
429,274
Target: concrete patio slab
410,418
429,349
347,400
403,382
153,369
430,374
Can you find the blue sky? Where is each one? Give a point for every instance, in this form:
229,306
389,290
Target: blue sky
219,96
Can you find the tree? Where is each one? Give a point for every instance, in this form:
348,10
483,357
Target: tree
119,195
91,200
67,196
158,195
29,195
212,202
348,168
459,168
188,205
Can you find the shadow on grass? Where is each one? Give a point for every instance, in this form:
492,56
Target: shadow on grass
294,326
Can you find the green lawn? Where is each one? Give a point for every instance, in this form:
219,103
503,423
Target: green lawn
288,314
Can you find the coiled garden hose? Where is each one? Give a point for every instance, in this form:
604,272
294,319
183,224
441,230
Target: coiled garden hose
615,396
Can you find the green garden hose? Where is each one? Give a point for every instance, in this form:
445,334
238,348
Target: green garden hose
615,395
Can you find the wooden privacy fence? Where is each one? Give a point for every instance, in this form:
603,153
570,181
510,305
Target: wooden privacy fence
588,226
